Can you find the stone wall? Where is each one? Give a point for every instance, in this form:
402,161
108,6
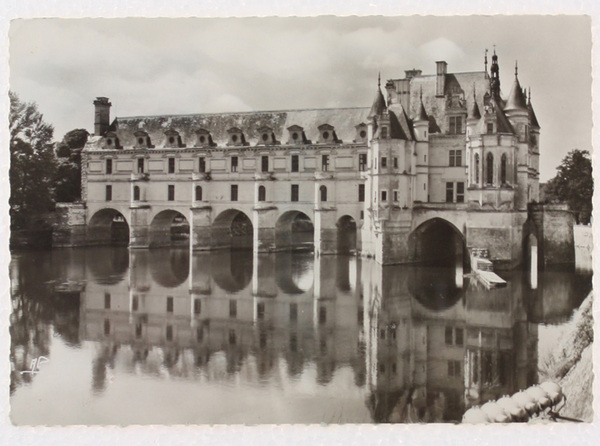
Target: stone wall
69,226
584,247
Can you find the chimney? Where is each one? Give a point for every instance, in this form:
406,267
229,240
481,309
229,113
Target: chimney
102,116
409,74
441,77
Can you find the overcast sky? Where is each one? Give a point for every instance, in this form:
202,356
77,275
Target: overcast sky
175,66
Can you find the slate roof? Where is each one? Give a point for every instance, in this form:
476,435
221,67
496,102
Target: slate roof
516,98
344,121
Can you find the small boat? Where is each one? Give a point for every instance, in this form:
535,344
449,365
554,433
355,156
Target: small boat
483,269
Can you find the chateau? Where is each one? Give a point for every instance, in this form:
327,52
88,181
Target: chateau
437,165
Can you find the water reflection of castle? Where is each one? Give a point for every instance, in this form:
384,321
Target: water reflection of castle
425,344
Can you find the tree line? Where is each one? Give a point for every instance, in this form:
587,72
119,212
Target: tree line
43,173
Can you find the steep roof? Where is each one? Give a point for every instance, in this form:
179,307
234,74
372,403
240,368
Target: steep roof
343,120
516,99
378,106
532,118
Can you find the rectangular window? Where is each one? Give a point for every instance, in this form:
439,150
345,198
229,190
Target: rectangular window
490,128
234,163
232,339
138,330
458,158
234,192
295,163
293,312
322,315
295,192
107,301
384,195
460,192
448,335
199,334
362,215
324,163
140,165
197,306
171,165
201,164
361,193
459,336
260,311
383,132
134,303
293,342
108,193
264,163
452,159
169,333
362,162
455,125
109,166
169,304
106,327
233,308
383,162
396,195
449,192
395,163
171,192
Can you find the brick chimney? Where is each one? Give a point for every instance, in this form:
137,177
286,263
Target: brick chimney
102,116
440,84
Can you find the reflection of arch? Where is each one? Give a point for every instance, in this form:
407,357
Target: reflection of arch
231,270
108,227
169,267
169,228
346,235
108,266
438,242
293,272
232,228
294,230
434,288
531,237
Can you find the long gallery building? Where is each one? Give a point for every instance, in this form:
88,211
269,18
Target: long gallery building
437,165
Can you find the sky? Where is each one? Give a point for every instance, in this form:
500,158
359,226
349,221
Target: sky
180,66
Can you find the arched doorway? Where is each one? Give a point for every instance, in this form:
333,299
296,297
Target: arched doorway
294,230
169,228
108,227
346,235
437,242
232,229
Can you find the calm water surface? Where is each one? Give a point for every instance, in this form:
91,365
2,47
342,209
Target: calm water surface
165,337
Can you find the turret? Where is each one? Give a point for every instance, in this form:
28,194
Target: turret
474,115
377,110
101,116
421,122
495,77
516,110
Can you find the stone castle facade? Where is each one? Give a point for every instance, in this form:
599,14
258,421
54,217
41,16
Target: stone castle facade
437,165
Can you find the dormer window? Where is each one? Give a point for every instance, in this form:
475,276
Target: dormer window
142,140
361,132
455,125
266,136
296,135
236,137
173,139
490,128
111,141
203,138
327,134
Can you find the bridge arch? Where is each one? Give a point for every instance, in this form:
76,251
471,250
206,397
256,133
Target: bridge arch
438,242
108,226
346,234
294,230
232,228
169,228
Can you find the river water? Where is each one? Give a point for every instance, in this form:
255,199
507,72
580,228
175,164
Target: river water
113,336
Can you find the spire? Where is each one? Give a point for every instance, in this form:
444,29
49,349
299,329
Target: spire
495,76
532,118
474,110
379,105
516,69
516,99
422,115
485,62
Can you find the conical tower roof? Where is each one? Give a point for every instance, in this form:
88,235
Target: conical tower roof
532,118
474,110
379,105
422,115
516,99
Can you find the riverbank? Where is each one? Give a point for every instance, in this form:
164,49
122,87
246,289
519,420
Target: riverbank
570,364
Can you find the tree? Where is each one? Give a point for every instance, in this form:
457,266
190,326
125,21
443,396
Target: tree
68,172
574,184
32,164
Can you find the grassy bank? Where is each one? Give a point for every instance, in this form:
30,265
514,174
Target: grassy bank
570,364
